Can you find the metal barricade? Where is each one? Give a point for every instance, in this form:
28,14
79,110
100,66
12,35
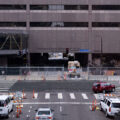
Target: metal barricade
31,73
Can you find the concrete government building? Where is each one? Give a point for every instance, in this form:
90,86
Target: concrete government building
30,29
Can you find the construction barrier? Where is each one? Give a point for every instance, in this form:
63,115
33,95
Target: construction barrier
23,95
33,94
93,106
65,76
59,78
43,77
17,113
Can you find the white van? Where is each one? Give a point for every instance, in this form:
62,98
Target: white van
6,105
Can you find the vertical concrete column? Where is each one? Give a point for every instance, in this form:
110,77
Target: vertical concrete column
90,57
90,31
28,28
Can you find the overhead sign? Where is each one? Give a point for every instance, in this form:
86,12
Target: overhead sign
84,50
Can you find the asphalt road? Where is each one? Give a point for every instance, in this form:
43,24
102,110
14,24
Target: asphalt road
82,85
69,99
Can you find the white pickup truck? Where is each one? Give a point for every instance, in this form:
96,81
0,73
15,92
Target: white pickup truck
110,106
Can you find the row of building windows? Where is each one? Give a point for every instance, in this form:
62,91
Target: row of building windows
60,24
60,7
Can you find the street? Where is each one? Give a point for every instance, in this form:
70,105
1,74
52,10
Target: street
69,99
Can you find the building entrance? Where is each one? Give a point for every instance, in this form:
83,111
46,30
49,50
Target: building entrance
82,58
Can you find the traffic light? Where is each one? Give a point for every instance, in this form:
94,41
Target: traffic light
67,50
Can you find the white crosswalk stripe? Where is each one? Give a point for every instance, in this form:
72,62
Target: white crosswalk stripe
4,89
47,95
98,96
60,96
5,85
72,95
84,96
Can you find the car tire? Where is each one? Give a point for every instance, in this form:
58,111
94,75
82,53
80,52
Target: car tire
104,91
106,114
113,90
12,109
7,116
101,108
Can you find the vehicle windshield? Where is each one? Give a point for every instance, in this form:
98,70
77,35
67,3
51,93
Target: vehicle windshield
44,113
108,84
95,84
103,84
2,103
116,105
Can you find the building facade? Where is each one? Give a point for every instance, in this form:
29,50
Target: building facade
88,28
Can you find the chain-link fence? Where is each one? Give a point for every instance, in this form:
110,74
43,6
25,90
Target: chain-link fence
58,73
31,73
103,73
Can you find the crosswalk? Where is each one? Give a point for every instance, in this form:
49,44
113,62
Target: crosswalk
5,85
61,96
84,96
72,96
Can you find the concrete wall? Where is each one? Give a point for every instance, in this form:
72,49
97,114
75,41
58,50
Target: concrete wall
51,39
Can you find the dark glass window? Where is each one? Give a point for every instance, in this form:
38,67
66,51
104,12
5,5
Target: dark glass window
106,7
108,103
116,105
38,7
58,7
2,103
59,24
106,24
75,7
12,24
12,7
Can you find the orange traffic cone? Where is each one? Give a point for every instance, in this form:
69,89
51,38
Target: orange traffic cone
65,76
23,94
20,110
59,78
33,94
17,114
95,103
93,107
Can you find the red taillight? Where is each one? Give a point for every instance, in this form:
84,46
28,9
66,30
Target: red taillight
109,109
49,117
37,118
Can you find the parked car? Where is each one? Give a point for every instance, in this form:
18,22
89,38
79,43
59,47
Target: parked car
110,106
6,105
44,114
103,87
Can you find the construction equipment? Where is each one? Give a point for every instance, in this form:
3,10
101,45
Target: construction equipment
74,69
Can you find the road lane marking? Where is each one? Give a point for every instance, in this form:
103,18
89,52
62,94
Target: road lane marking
60,108
3,90
84,96
72,95
36,95
60,96
98,96
47,96
57,103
